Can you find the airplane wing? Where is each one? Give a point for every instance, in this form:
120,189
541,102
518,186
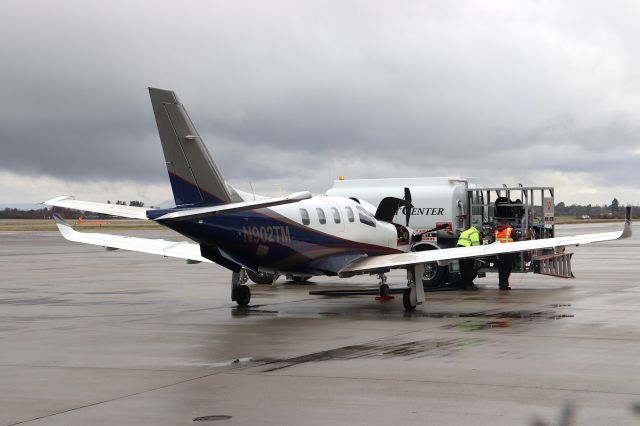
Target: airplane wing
412,258
185,214
183,250
201,212
68,202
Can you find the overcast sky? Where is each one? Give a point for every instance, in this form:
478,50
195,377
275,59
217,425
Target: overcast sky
290,94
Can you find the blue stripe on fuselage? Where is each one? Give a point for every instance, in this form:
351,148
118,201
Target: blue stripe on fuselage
244,235
290,246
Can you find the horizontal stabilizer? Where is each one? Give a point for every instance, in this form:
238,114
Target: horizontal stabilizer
68,202
181,250
202,212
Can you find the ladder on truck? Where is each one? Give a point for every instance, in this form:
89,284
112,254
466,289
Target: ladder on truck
530,211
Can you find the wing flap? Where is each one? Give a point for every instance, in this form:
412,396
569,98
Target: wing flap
412,258
181,250
68,202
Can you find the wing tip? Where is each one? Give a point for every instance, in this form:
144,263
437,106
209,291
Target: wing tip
63,226
52,201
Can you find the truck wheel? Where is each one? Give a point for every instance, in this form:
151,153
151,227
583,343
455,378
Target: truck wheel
434,275
260,277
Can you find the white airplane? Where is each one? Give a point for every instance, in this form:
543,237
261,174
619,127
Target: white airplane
298,234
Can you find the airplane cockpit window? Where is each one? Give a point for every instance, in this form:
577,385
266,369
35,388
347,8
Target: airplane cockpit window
350,214
365,217
321,216
336,215
304,214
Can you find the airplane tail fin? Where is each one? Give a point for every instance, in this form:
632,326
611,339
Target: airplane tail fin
195,178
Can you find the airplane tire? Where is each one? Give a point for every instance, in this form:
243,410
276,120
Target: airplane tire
260,277
243,295
406,300
384,290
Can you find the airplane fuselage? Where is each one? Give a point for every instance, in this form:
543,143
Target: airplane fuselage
315,236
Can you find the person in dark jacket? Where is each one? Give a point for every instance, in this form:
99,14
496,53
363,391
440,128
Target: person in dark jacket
504,233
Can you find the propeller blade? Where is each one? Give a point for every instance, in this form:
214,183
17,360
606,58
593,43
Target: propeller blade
407,195
407,209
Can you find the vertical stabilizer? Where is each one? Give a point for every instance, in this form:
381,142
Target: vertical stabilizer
195,178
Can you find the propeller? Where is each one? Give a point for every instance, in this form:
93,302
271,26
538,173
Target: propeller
407,209
390,206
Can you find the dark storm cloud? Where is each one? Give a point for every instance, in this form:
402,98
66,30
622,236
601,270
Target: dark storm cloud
293,91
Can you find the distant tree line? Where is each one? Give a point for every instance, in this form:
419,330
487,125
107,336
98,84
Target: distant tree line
613,210
45,212
131,203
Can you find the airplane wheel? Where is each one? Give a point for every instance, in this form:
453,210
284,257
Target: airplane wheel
384,290
406,300
243,295
260,277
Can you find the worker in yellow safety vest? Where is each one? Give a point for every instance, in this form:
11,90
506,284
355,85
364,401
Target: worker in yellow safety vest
505,234
468,237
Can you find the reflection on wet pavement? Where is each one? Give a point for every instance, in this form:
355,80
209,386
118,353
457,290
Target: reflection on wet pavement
383,348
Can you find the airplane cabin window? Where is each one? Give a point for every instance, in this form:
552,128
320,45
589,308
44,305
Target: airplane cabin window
336,215
304,214
350,214
365,217
321,216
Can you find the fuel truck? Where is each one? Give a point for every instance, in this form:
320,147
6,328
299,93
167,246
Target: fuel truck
443,207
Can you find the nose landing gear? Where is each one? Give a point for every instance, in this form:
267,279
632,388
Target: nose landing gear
383,289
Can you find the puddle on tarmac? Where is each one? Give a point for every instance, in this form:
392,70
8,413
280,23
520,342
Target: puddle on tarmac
440,347
382,349
524,314
503,319
494,318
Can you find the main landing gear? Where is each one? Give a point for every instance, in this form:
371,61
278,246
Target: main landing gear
240,292
413,294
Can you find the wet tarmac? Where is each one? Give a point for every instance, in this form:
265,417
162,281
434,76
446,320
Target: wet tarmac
89,337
